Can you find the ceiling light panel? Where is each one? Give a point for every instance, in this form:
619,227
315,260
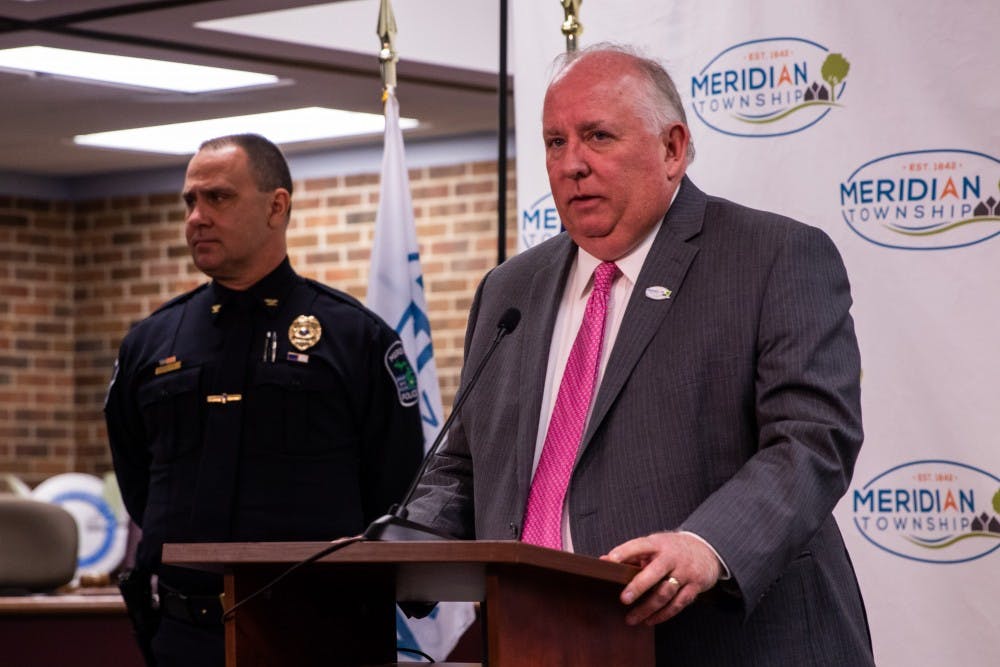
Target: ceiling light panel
281,127
128,71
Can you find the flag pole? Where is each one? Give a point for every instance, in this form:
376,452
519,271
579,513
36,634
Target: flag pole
396,294
502,141
387,56
571,27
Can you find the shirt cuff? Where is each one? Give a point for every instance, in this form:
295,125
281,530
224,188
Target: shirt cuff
724,575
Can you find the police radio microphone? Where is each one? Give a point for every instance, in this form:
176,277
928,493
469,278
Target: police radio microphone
394,526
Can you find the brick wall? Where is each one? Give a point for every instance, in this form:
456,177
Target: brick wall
74,277
36,337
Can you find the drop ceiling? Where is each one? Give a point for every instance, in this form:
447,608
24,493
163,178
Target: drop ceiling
325,54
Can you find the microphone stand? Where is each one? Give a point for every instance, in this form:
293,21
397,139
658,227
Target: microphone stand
394,526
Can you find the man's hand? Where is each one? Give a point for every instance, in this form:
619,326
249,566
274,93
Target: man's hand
676,568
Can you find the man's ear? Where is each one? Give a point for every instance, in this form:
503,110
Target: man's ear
281,203
676,139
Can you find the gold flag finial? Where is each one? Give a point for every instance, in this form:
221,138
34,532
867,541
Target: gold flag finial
571,27
387,57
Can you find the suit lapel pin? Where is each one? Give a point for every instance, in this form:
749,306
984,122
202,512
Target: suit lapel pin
658,293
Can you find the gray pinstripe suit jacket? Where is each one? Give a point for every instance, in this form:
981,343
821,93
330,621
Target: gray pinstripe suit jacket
730,409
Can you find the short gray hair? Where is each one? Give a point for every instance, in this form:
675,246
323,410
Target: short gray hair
659,101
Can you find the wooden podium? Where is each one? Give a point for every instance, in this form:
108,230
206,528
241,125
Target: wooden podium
539,607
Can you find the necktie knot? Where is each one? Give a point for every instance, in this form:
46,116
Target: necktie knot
604,275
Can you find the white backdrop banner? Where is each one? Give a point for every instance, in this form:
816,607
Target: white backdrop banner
877,122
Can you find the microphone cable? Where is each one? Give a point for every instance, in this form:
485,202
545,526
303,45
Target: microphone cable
326,551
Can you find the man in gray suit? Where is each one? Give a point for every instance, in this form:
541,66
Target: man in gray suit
719,422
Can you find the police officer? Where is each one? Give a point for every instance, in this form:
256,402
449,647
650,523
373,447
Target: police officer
260,406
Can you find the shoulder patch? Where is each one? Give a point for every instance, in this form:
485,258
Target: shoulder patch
402,374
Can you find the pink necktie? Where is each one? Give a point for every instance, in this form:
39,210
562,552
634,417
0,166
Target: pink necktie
543,518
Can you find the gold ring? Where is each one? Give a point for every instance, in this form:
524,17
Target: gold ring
673,580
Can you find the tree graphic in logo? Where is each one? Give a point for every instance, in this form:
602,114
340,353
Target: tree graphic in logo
833,71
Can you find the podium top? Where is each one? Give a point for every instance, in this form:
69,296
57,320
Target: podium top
556,607
227,555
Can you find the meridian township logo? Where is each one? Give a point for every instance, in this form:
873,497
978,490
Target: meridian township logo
924,200
930,511
769,87
539,222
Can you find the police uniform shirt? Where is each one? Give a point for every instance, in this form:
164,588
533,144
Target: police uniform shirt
286,412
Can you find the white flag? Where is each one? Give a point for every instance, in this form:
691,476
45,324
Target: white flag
396,293
396,282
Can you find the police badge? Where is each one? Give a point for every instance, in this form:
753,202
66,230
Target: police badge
304,332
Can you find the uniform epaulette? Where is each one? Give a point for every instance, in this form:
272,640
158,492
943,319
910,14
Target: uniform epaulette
347,299
335,293
181,298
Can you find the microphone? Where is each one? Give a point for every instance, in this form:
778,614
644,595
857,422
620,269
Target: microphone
394,526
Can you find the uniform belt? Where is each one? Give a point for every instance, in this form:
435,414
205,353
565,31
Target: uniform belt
200,610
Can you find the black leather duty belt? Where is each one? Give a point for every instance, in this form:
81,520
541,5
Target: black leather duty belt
200,610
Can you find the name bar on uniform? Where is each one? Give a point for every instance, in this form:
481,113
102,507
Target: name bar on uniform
224,398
